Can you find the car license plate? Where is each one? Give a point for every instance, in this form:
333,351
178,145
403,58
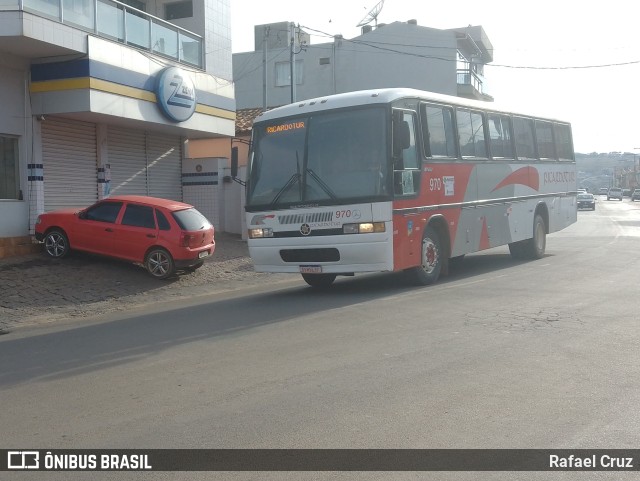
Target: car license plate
203,254
311,269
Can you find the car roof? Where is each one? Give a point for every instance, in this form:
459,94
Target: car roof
154,201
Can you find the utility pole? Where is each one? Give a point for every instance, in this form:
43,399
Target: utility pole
264,67
292,66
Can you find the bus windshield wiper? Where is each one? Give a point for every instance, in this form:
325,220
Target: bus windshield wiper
322,184
285,187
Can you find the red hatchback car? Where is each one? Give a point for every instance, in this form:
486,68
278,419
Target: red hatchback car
163,235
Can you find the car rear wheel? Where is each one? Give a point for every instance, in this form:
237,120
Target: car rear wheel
56,243
320,281
159,263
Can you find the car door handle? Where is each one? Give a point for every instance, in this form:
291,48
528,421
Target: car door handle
151,236
108,229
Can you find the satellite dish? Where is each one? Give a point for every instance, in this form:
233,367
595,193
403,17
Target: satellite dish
372,15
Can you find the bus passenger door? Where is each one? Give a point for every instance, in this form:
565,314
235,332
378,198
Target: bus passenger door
406,185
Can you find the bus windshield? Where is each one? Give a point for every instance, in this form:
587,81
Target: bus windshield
323,158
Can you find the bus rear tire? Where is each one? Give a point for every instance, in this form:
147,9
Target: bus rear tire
431,259
319,281
533,248
516,249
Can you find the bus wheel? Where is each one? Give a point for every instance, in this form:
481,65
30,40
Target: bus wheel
431,259
534,248
516,249
320,281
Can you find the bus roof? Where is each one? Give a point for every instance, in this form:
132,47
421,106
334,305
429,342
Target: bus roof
380,96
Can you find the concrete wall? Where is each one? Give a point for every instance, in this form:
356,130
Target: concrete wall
427,62
15,121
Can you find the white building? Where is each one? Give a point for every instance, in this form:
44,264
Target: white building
399,54
99,97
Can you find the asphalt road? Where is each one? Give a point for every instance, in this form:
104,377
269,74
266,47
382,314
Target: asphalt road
500,354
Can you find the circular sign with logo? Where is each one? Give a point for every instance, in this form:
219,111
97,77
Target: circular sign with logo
305,229
176,94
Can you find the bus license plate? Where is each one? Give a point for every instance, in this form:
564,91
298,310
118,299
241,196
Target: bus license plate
203,254
311,269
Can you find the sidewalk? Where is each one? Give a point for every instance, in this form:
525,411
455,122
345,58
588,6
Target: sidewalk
36,289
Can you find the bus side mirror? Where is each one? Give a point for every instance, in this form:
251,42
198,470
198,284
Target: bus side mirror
401,136
234,162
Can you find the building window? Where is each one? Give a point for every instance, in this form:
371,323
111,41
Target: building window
9,168
136,4
176,10
283,73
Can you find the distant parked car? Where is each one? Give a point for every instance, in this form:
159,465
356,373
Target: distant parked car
586,201
603,191
614,193
163,235
635,195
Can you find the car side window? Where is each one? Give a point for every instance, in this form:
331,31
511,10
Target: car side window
139,216
163,223
104,212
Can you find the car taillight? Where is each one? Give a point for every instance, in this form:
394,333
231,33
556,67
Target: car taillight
185,239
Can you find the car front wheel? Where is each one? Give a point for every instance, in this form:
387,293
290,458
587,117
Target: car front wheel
159,264
56,244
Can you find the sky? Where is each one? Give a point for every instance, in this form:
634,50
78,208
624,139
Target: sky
565,59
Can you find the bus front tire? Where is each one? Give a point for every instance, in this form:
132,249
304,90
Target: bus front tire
319,281
431,259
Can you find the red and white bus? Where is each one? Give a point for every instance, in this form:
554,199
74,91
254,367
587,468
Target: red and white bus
402,180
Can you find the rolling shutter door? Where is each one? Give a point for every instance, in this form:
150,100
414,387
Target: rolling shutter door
69,163
164,155
128,161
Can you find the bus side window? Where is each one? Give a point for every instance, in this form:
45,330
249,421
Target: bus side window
471,134
523,131
544,140
405,154
438,132
564,144
500,137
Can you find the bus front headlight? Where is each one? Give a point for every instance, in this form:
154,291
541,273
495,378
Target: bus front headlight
363,228
260,233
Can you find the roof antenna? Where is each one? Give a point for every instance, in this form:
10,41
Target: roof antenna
372,16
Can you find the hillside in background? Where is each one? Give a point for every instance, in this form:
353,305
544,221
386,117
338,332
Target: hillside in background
597,170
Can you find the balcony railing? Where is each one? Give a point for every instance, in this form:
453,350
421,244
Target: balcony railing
465,77
119,22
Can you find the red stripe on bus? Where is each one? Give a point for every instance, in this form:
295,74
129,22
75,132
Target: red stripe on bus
524,176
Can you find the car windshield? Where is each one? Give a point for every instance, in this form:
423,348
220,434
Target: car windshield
331,157
191,220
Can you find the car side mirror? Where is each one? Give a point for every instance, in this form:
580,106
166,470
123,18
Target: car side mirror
82,214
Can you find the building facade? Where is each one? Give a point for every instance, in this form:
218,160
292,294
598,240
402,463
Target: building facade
399,54
99,98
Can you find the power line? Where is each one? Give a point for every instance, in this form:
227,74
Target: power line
373,45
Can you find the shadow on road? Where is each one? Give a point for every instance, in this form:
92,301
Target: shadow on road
89,348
